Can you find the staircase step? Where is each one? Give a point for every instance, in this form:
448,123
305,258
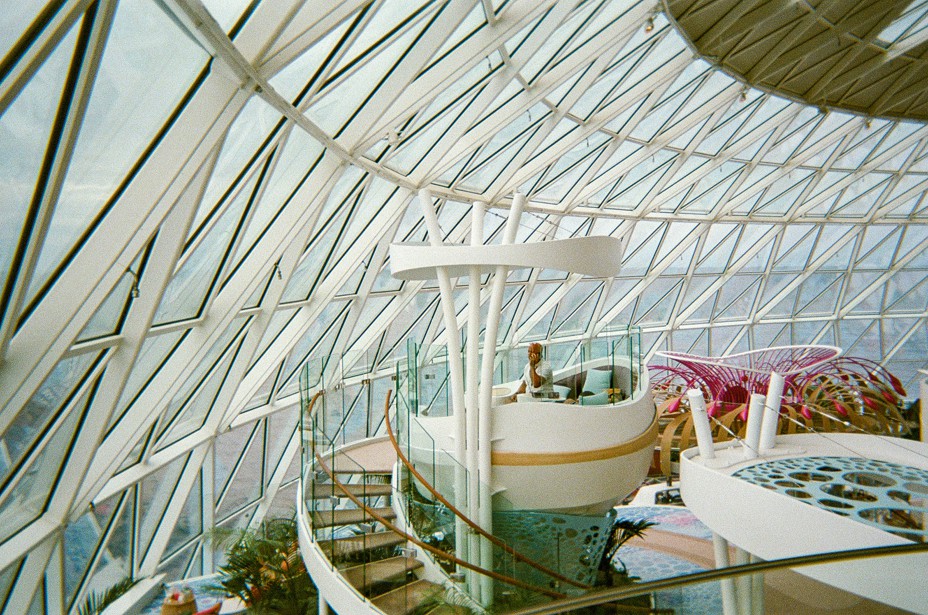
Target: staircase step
448,609
365,576
406,599
351,545
324,490
347,516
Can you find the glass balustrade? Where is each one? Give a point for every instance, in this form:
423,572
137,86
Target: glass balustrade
352,409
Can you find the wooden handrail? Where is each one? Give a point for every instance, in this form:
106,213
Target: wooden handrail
427,547
493,539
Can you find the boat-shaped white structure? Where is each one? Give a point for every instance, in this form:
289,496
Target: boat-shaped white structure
818,493
560,455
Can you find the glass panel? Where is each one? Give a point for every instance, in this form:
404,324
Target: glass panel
155,493
107,320
150,359
14,18
24,132
227,12
42,409
189,289
190,523
27,498
299,154
246,484
246,134
114,563
147,67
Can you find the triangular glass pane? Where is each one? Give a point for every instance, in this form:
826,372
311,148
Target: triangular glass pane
858,282
879,256
576,307
717,248
703,312
293,78
337,105
147,69
155,494
279,431
24,132
916,338
860,148
860,338
808,331
766,335
115,560
819,294
659,313
42,410
187,292
773,284
695,287
841,258
720,338
795,247
907,291
638,258
751,234
784,307
290,170
744,288
185,416
914,242
190,523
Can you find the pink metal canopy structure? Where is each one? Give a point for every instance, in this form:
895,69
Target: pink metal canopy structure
732,378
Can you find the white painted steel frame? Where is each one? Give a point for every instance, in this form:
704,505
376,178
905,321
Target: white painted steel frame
161,199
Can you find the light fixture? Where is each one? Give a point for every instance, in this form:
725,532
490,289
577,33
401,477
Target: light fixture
649,24
134,291
743,96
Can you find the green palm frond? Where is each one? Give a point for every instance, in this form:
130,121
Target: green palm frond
96,602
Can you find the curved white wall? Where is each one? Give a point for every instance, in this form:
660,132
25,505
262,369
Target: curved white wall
774,526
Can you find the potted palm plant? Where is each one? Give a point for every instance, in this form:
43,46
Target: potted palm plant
264,569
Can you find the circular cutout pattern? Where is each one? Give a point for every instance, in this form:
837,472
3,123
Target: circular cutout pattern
888,496
869,479
896,517
810,476
834,503
847,492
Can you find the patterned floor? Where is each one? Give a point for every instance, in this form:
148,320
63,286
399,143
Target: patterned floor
650,565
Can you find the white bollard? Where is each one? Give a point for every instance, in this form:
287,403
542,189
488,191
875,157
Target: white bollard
768,429
752,435
701,424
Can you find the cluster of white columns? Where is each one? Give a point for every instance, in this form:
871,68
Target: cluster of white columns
471,400
743,595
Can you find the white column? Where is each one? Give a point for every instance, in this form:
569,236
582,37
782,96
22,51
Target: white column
484,436
743,582
768,428
456,372
720,548
757,589
752,435
472,390
701,424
